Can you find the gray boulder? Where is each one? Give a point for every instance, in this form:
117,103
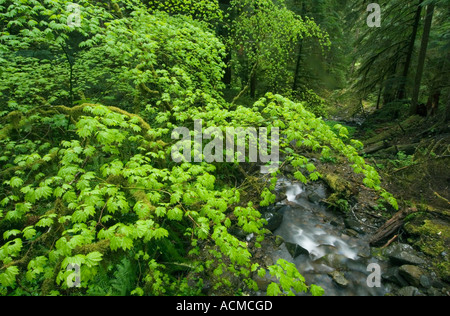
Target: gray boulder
402,254
339,278
296,250
274,220
412,274
409,291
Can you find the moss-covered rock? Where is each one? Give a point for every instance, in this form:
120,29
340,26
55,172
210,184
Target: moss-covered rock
338,185
432,236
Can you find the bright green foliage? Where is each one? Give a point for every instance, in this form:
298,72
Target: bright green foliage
204,10
291,280
38,47
124,196
176,65
264,36
178,62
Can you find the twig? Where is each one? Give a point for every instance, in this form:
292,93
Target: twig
390,242
360,221
248,84
403,130
441,197
240,95
404,168
101,215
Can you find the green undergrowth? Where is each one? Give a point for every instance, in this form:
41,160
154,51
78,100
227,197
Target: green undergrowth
89,191
94,186
431,235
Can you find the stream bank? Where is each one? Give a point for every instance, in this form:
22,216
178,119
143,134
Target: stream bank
333,251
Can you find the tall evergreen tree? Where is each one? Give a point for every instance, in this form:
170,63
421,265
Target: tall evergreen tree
423,53
385,54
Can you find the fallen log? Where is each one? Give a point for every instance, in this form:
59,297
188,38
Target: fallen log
408,149
385,149
389,228
375,148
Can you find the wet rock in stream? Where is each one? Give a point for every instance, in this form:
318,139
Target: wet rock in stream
412,274
296,250
352,224
339,278
318,243
403,254
334,252
273,215
409,291
314,198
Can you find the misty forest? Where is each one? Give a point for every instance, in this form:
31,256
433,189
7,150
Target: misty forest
93,203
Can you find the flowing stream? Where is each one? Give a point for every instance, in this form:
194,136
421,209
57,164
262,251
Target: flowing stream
326,254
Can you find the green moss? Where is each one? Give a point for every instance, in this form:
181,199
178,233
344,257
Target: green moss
14,122
103,246
432,237
338,185
443,269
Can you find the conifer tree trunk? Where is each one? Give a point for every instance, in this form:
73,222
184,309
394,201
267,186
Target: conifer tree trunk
253,83
447,112
297,66
300,51
422,56
402,89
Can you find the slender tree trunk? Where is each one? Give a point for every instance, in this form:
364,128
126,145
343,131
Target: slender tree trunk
437,84
389,94
228,73
422,56
297,66
70,61
433,100
253,84
300,51
402,89
447,112
379,97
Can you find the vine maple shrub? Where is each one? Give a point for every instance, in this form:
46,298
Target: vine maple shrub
106,192
213,151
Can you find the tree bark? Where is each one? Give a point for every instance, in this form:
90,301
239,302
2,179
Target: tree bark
423,54
390,93
447,112
402,89
253,84
433,101
379,97
228,73
389,228
297,66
